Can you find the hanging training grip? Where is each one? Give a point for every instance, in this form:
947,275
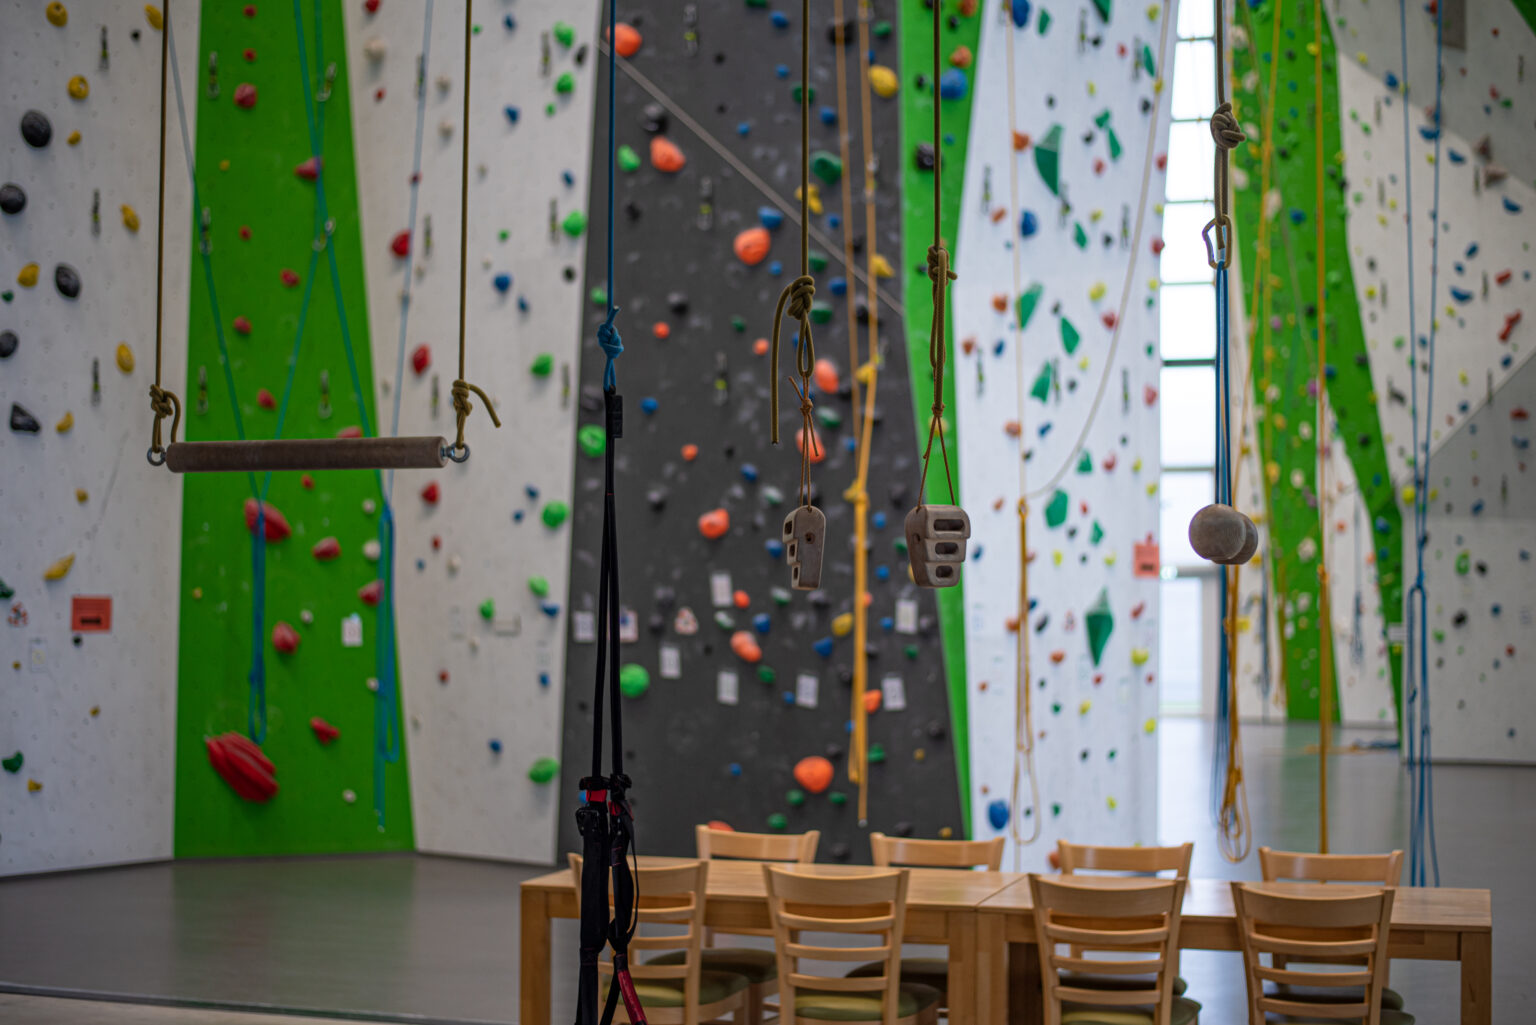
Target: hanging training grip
305,454
1223,535
936,536
805,539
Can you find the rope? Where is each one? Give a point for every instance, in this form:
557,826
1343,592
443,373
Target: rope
162,402
941,275
1423,857
462,387
1325,626
797,295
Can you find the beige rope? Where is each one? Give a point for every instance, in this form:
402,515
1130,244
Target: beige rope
941,275
162,402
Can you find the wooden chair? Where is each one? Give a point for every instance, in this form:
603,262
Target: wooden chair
1368,869
1316,926
1119,918
680,991
889,851
872,905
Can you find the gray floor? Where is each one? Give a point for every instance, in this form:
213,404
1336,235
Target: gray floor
413,938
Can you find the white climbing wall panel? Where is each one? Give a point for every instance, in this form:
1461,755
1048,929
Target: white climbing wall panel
481,659
1093,724
93,721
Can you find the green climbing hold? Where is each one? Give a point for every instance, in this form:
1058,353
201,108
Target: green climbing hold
818,261
1079,235
765,674
543,364
634,680
795,798
882,29
876,754
739,323
826,166
6,591
778,821
1027,303
1463,563
1055,809
554,514
1096,534
628,159
1102,118
488,609
599,296
13,763
1115,149
1104,7
1044,21
1085,462
544,769
1041,389
795,93
1056,509
780,596
591,439
1148,62
772,495
538,585
1069,336
837,797
574,224
829,418
1101,623
911,652
1048,159
900,544
757,3
564,34
565,83
724,620
821,313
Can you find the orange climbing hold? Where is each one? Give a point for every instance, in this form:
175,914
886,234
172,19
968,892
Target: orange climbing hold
872,699
752,246
665,156
760,347
826,376
814,774
714,524
818,450
961,57
746,647
741,599
661,330
1000,303
724,827
1020,140
626,40
690,452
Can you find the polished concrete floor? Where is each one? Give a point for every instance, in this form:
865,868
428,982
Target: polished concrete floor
420,938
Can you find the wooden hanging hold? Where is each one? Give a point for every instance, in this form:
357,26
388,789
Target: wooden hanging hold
305,454
805,539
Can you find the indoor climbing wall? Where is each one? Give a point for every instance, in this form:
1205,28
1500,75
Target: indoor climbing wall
88,565
482,569
732,679
1056,384
278,280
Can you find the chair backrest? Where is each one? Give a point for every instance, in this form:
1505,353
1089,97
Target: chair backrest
873,905
1076,857
672,898
1369,869
726,843
1120,918
895,850
1351,923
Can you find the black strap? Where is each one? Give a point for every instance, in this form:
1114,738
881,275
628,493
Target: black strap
605,820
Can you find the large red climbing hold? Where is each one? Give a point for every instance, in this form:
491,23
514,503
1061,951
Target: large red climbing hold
430,494
370,593
421,359
400,245
245,96
285,638
324,731
242,765
276,524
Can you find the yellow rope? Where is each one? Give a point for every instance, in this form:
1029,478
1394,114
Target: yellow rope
1325,627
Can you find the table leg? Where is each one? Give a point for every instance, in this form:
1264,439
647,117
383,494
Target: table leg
962,966
1476,978
991,971
1026,1003
533,970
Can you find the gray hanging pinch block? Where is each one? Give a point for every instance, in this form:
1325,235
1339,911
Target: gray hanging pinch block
805,540
936,536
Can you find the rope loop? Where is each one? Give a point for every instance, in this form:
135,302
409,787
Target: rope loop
796,301
463,407
612,344
1225,131
164,403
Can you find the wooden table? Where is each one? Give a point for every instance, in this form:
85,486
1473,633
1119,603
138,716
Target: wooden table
1427,925
942,907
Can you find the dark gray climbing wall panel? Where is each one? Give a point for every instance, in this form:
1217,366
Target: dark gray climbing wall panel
695,758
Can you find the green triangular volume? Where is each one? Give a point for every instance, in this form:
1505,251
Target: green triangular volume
1056,511
1041,389
1069,336
1048,159
1027,303
1101,623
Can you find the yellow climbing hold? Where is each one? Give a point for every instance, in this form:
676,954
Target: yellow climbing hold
1082,708
1408,493
124,358
1111,803
33,786
82,496
1363,58
74,138
1154,11
945,832
28,276
79,88
842,625
1139,656
60,568
882,266
57,14
130,218
813,201
154,17
883,81
1150,726
1093,90
1097,291
224,165
65,423
1056,556
1109,558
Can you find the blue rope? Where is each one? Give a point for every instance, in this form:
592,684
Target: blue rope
1423,856
1222,753
607,335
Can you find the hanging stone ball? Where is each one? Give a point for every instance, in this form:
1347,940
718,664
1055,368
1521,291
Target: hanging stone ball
12,199
8,344
36,129
1217,533
67,280
1250,542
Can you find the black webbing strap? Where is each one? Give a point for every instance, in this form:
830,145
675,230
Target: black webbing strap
607,825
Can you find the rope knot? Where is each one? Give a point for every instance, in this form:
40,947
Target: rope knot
801,291
938,264
1225,130
612,345
163,403
463,407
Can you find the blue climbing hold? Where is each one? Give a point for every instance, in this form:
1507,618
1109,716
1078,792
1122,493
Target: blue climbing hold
828,115
882,572
543,679
887,624
838,286
648,405
510,22
878,519
743,128
1472,250
517,516
1391,80
774,547
1382,526
748,472
1511,206
1298,216
734,768
1028,223
495,746
834,221
954,84
532,491
568,178
1429,134
1456,156
997,814
549,608
1477,507
421,564
522,304
1020,19
850,444
823,647
780,19
776,268
789,697
1461,295
513,114
770,217
997,350
503,282
782,70
761,623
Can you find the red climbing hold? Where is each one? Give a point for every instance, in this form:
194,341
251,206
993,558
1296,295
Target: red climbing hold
1148,394
326,549
1098,165
307,482
1520,414
265,399
309,170
242,325
250,10
665,156
371,6
714,524
421,359
627,40
818,450
751,246
324,731
814,774
285,638
400,245
245,95
242,765
276,524
1157,246
1162,161
370,593
290,279
1510,321
353,431
745,646
1503,277
430,494
1020,140
1110,319
245,232
249,55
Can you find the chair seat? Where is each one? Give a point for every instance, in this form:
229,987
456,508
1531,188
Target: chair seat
1184,1012
713,987
1391,1000
820,1005
757,965
1387,1018
925,971
1087,981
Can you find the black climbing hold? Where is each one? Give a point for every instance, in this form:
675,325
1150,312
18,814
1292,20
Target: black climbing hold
570,273
657,624
921,81
925,624
12,198
665,597
23,421
654,118
937,730
719,58
923,157
840,852
861,311
677,302
819,599
581,55
953,21
657,499
8,343
833,752
67,280
36,129
632,210
899,495
844,676
1146,105
902,829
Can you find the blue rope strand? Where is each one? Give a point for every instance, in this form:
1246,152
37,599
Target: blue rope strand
1222,753
607,335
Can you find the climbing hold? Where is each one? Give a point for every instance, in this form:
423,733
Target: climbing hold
421,359
876,754
826,376
326,549
371,593
1028,300
431,493
954,84
543,769
285,638
565,84
592,440
564,34
714,524
488,609
574,224
245,96
634,680
276,524
22,421
59,568
1100,622
883,81
842,624
628,160
13,763
1069,336
27,276
923,157
826,166
626,40
309,170
78,88
665,156
1056,509
777,821
1028,223
242,325
65,423
8,344
745,647
324,731
1020,12
12,198
543,364
36,129
1048,159
554,514
751,246
400,245
997,814
241,764
56,13
67,280
154,17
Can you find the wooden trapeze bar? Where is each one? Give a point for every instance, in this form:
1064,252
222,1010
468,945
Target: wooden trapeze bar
306,454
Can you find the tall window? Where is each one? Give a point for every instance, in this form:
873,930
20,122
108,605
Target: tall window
1188,334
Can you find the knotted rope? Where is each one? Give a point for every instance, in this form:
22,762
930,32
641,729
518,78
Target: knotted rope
164,403
940,274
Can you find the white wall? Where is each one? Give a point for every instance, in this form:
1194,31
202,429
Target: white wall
465,798
93,721
1094,758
